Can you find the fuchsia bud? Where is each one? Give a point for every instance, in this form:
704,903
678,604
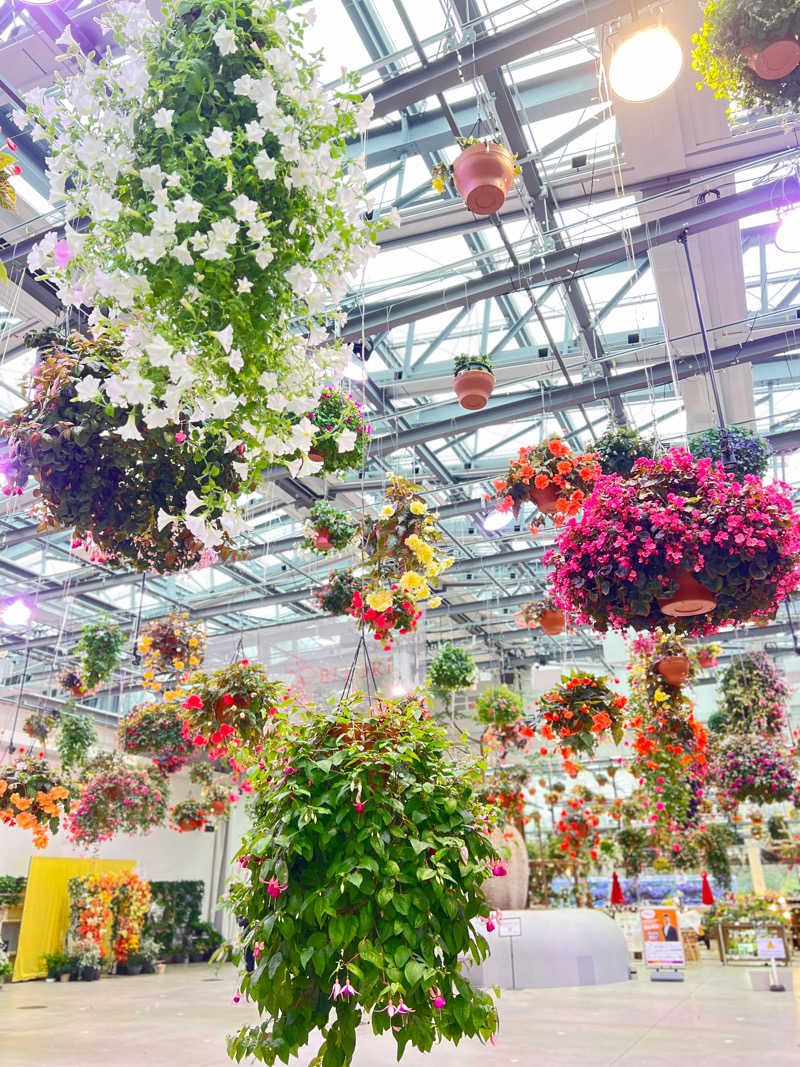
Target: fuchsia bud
490,926
439,1002
499,870
180,437
359,807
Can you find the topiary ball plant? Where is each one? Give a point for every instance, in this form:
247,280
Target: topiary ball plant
748,452
363,872
451,669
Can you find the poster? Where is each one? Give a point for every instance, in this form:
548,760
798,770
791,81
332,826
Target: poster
661,935
770,948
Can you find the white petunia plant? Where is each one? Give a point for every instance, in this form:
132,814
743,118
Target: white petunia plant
224,217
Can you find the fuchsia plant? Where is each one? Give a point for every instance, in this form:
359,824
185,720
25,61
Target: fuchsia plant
740,539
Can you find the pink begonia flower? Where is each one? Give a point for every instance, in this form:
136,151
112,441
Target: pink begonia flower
180,437
62,253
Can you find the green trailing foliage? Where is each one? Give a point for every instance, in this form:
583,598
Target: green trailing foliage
363,873
100,647
619,448
480,362
76,735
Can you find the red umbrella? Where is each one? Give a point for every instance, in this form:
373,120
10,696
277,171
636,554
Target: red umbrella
708,896
617,896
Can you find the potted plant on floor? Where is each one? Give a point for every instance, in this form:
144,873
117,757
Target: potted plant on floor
56,964
473,382
679,544
747,452
552,476
6,968
90,959
328,529
150,953
749,53
482,174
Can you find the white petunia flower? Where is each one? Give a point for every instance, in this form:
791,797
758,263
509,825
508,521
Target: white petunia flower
364,113
152,177
225,230
264,256
244,285
163,118
244,208
225,337
265,166
156,417
159,352
164,519
87,388
183,255
130,432
254,131
235,359
218,142
346,441
225,40
193,502
187,209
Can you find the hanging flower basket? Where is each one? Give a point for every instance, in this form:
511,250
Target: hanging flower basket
551,476
116,799
473,382
170,646
328,529
754,695
620,563
553,621
749,767
580,712
340,433
188,815
156,730
335,596
483,175
776,60
34,797
675,669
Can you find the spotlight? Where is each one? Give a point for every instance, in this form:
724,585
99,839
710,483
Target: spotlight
497,520
17,613
787,239
644,63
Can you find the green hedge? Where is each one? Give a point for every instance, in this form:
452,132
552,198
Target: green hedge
174,910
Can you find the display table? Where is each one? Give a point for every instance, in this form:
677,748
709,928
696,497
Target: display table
746,941
544,948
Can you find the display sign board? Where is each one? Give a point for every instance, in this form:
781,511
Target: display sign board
661,936
770,948
510,927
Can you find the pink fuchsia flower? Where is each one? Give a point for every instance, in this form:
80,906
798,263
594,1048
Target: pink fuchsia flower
499,870
347,990
393,1009
275,888
258,948
490,925
359,807
236,998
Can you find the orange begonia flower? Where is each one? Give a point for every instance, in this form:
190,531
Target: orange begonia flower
541,481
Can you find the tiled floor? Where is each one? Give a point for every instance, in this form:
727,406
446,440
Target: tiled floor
713,1019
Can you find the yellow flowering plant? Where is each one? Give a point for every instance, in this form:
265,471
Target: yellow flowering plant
170,647
403,558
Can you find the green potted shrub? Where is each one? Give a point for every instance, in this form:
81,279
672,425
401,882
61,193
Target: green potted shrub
56,964
363,873
748,52
6,968
619,448
150,954
747,452
474,381
134,963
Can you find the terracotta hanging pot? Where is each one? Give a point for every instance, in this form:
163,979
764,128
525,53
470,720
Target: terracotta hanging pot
315,457
483,175
218,807
776,61
222,709
675,669
473,388
187,825
690,598
546,499
322,541
553,622
114,792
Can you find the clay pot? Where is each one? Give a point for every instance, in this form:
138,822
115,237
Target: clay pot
553,622
218,807
510,891
187,825
161,968
315,457
546,499
675,669
322,541
776,61
114,792
483,175
690,598
473,388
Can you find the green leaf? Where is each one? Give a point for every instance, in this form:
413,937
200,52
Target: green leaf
414,970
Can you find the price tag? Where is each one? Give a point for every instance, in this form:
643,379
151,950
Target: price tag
510,927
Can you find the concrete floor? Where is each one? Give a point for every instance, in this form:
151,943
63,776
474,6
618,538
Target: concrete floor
713,1019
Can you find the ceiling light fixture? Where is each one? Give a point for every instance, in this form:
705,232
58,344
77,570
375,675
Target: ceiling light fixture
17,613
497,520
787,238
644,63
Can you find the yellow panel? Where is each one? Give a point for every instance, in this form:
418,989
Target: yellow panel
45,914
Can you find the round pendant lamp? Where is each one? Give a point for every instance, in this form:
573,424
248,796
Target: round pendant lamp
645,61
